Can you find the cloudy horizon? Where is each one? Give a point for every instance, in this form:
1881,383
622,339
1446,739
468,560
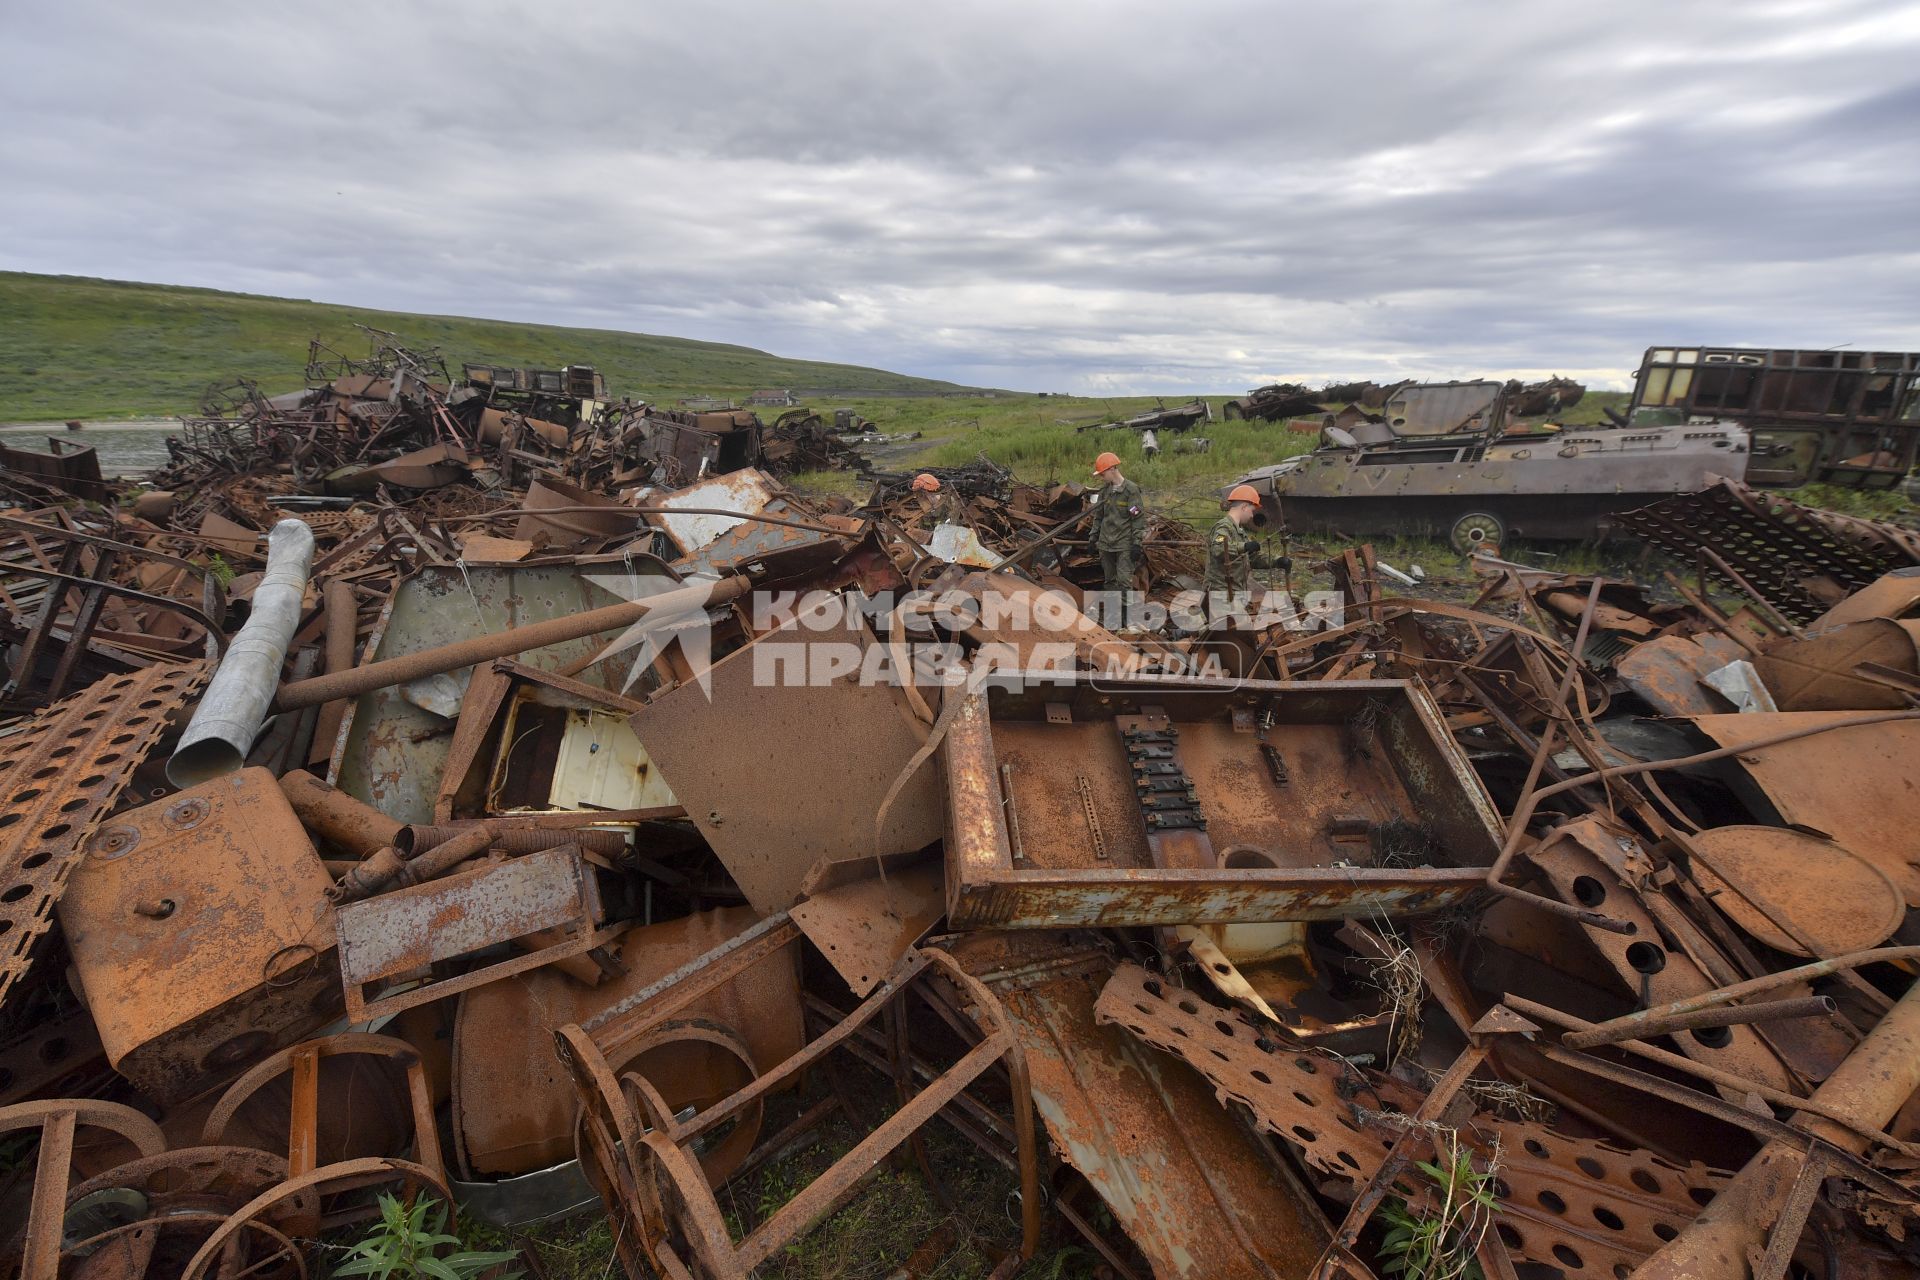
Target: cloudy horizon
1104,199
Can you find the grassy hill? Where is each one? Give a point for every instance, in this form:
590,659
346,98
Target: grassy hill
73,347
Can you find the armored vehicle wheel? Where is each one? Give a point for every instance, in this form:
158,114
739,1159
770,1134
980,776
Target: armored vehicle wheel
1477,531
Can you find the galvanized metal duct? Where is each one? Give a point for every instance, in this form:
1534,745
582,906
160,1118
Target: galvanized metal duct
235,705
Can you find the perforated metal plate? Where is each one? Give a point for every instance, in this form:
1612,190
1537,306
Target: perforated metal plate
59,776
1579,1206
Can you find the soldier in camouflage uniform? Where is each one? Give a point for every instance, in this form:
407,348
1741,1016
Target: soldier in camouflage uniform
1119,524
1232,555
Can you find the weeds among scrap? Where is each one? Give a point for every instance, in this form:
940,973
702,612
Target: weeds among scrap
1441,1243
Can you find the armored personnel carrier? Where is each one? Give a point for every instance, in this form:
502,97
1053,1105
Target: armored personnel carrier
1441,462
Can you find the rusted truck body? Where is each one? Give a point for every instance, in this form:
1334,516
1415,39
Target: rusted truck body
1443,464
1842,417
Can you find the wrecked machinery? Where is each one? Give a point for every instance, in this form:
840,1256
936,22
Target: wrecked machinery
1176,419
689,856
1842,417
1278,400
1442,459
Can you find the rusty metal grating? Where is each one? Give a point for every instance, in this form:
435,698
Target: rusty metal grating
1801,559
60,775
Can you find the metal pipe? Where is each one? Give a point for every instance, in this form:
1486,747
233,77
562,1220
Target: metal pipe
1634,1022
1869,1087
337,817
448,854
342,613
240,694
1737,1085
1726,1015
502,644
392,867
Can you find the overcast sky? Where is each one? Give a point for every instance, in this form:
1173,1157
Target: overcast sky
1094,197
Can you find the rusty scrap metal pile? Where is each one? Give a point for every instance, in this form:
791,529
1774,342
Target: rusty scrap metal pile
525,830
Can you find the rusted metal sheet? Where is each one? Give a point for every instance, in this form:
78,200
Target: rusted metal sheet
1321,837
386,938
1894,595
1837,901
1603,1207
778,776
74,468
1193,1189
1669,673
513,1107
571,527
746,491
201,933
863,914
1817,673
62,773
394,750
1855,785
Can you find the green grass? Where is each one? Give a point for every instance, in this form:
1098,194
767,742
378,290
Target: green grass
73,347
1034,436
1869,504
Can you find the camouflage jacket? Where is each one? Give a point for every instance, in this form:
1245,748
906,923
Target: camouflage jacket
1119,518
1232,557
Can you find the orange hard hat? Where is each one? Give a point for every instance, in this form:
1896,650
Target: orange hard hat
1105,462
926,483
1244,493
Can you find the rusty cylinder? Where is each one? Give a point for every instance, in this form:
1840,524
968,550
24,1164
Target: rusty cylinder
337,817
392,868
502,644
342,613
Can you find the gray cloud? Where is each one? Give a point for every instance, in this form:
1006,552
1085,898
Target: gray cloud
1106,197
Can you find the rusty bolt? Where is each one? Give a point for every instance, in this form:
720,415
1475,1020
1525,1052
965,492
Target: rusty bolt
155,910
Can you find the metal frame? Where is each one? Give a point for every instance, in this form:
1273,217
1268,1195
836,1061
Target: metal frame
640,1155
987,887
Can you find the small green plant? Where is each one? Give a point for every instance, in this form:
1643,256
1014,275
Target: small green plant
402,1247
1440,1243
223,573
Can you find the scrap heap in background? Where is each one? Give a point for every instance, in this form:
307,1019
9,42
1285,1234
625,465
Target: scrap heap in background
396,797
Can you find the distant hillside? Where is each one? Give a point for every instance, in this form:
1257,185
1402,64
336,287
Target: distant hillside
73,347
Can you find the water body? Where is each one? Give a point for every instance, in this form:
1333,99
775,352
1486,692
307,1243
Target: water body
127,448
